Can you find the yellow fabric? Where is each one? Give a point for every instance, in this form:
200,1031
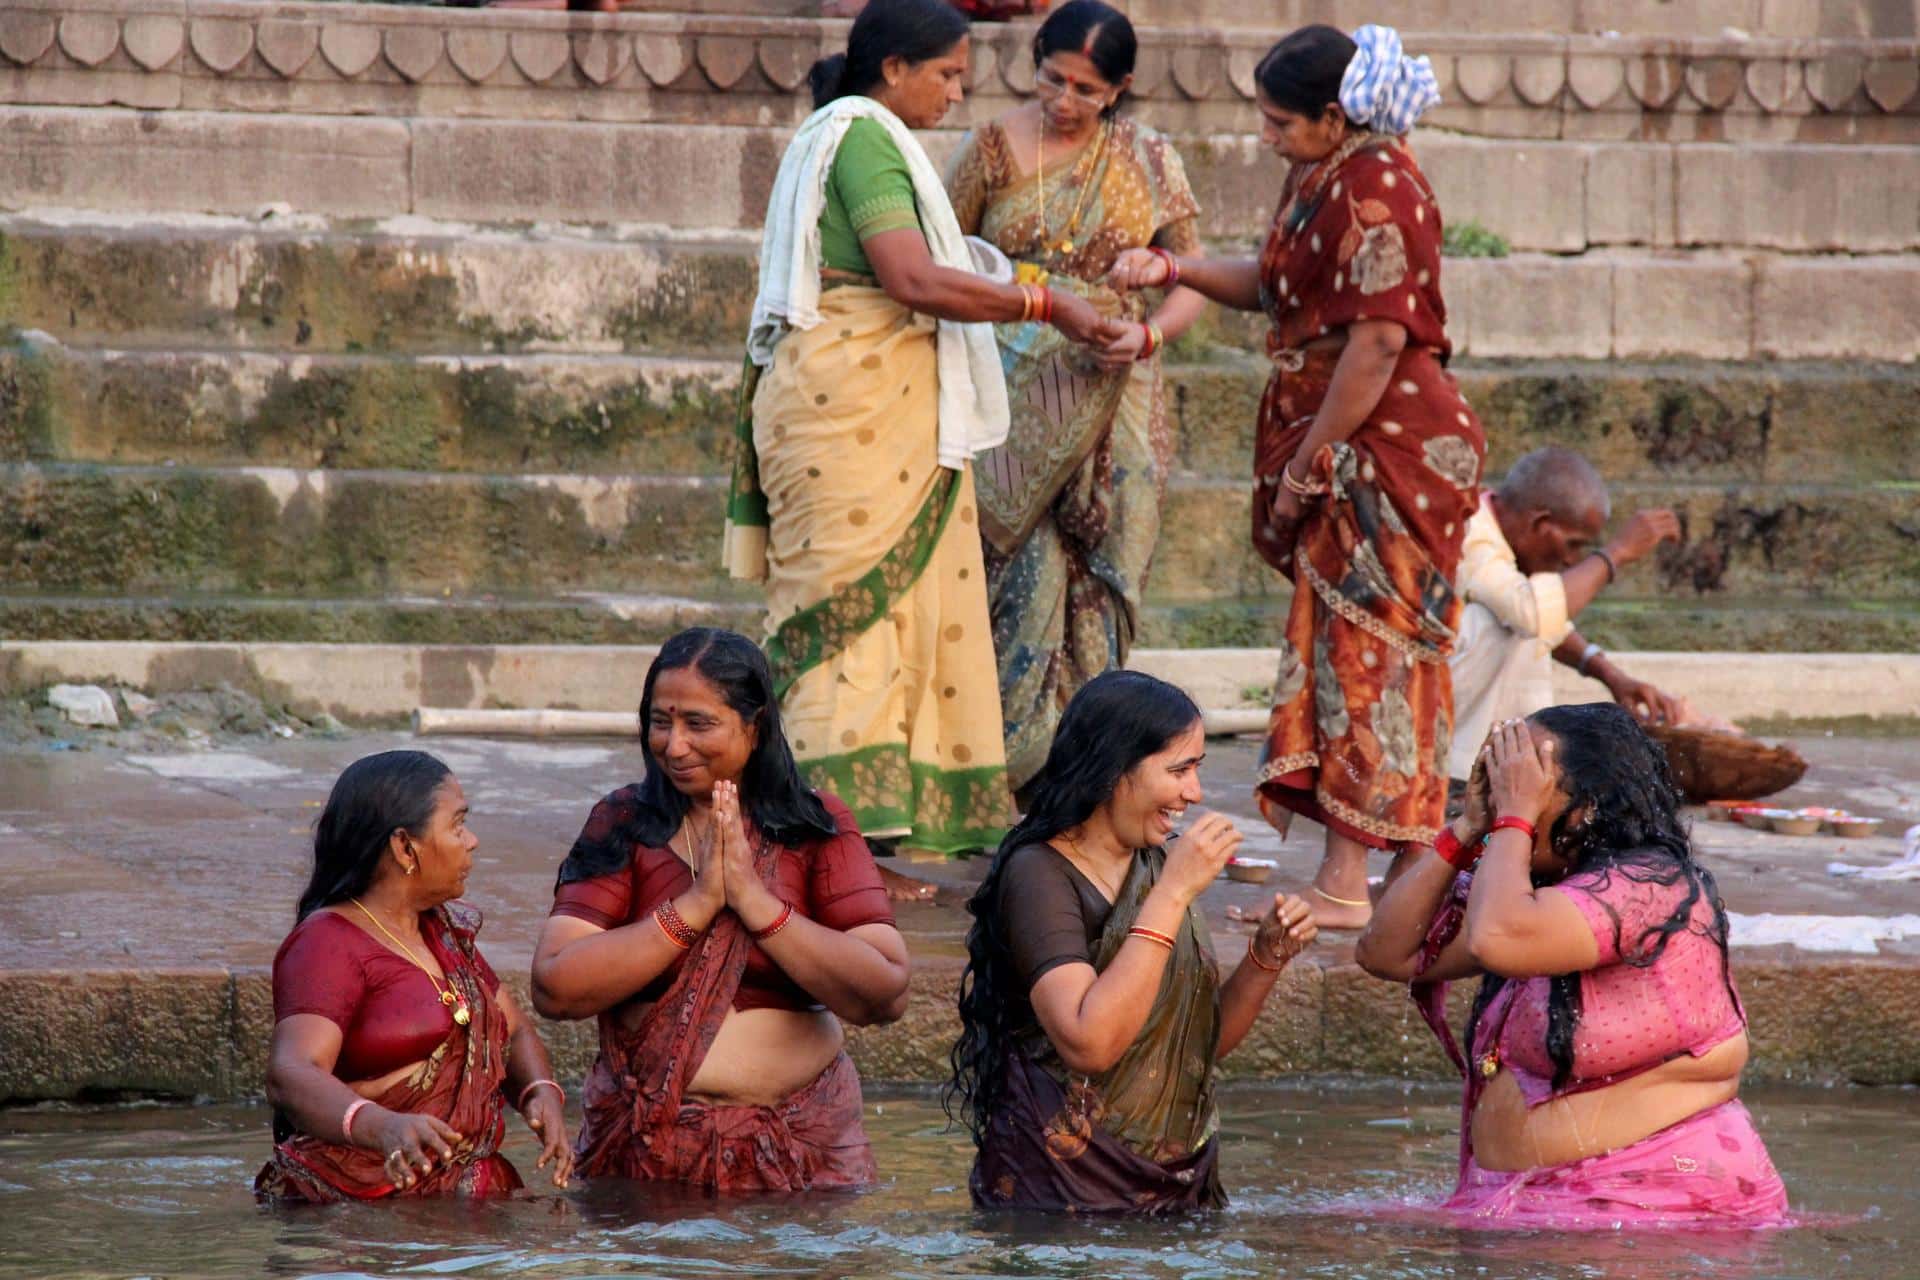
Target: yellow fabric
905,714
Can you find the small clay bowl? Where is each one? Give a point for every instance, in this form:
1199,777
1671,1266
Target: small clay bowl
1723,810
1250,870
1797,824
1854,828
1760,819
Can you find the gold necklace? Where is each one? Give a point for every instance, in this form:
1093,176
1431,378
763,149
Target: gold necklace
461,1016
1093,153
686,826
1080,860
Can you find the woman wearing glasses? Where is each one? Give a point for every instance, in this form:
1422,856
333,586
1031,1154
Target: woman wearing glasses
1070,505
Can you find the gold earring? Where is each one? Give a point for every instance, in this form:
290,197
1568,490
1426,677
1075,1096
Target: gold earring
411,869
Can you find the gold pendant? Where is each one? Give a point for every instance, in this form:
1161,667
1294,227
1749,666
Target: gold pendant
1066,246
1490,1065
461,1016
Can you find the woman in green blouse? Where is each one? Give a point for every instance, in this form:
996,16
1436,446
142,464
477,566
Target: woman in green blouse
872,378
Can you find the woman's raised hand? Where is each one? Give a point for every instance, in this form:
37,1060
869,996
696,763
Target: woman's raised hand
1477,814
1200,854
1082,322
1519,773
746,893
1287,930
1137,269
709,865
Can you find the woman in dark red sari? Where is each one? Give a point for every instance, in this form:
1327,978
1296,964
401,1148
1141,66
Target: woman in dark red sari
395,1049
1367,461
721,920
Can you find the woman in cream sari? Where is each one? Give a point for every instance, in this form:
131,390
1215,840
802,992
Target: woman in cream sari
872,380
1070,504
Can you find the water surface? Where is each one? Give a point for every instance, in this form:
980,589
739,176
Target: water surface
162,1191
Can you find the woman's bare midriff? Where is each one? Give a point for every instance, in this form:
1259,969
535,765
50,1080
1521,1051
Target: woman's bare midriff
762,1055
1509,1136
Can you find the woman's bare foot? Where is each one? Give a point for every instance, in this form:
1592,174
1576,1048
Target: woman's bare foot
904,888
1330,912
1339,894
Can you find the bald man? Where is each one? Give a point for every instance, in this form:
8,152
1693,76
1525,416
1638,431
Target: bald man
1530,562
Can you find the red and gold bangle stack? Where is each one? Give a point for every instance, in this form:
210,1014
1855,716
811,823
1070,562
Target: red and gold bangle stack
1038,304
1154,341
1173,264
1461,856
678,931
780,922
1151,935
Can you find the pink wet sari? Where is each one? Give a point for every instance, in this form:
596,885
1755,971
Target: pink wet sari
1709,1171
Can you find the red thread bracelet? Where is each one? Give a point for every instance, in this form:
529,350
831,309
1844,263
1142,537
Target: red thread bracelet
1513,824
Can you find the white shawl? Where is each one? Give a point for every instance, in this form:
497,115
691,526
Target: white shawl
973,414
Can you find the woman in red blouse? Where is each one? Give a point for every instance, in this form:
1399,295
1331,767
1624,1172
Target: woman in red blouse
395,1048
721,920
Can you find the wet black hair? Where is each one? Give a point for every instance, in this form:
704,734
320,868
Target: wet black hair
1116,720
915,30
1098,30
372,798
773,795
1302,72
1618,782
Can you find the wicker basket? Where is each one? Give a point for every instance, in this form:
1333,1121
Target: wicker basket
1710,765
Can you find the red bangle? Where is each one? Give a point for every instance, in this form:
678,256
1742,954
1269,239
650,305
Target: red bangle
1173,264
1461,856
786,914
1151,935
1046,305
1513,824
678,931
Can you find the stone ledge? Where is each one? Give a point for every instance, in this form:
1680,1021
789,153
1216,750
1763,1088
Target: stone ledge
204,1032
379,59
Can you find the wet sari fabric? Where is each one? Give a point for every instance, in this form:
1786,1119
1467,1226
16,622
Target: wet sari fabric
460,1083
1362,717
1140,1136
1070,504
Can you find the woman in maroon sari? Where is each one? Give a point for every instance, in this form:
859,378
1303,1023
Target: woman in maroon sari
395,1049
1367,461
721,920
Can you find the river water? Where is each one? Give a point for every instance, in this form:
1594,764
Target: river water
151,1190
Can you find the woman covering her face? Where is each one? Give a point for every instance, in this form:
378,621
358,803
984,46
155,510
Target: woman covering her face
1604,1052
396,1052
1092,1008
721,920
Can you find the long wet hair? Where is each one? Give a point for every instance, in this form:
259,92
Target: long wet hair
1116,720
1617,780
914,30
1098,30
372,798
1302,72
773,795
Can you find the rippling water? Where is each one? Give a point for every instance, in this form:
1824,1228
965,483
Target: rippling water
162,1191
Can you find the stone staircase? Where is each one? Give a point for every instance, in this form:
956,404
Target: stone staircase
367,323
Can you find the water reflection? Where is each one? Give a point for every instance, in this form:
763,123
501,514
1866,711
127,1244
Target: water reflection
163,1191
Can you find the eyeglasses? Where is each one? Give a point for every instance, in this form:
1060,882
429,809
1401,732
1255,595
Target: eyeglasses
1052,84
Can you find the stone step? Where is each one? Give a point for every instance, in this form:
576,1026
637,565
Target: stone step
425,286
547,413
1761,625
1630,68
81,528
1548,194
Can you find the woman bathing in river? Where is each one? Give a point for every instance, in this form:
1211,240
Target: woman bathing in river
1605,1047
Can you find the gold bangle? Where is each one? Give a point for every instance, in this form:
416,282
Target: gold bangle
1345,902
1253,954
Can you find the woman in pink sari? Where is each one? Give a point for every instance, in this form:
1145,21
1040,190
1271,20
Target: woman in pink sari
1605,1047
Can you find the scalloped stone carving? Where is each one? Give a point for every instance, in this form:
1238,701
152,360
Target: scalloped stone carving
1834,80
287,47
1016,69
221,43
725,58
414,51
785,61
600,55
1654,79
1150,72
986,61
661,58
476,53
89,38
1596,79
26,37
1196,69
1714,82
1538,78
1892,84
153,40
1482,76
1772,82
1241,64
348,47
540,54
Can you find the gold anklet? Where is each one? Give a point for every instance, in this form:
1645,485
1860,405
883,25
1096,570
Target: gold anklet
1345,902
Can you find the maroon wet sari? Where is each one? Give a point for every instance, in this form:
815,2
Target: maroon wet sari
459,1082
